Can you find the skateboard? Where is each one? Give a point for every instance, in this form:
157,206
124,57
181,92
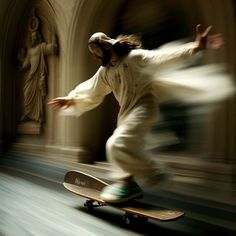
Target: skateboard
90,187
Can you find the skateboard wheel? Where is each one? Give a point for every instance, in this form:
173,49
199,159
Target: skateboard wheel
130,219
89,205
127,220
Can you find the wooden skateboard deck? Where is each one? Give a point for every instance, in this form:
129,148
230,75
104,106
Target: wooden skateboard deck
90,187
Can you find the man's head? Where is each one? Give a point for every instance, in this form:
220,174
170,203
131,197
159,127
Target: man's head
104,47
100,45
35,38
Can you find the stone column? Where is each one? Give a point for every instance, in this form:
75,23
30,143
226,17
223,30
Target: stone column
89,132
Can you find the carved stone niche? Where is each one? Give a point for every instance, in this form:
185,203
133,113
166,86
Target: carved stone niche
32,81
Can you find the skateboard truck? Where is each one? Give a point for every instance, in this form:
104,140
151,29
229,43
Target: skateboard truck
129,219
90,204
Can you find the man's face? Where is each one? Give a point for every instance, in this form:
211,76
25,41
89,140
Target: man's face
34,39
101,53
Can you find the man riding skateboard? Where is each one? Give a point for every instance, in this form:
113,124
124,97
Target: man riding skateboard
125,71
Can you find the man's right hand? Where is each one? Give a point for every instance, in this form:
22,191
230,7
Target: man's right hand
206,41
62,102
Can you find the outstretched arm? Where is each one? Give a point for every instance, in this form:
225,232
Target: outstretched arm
177,54
51,48
85,96
23,57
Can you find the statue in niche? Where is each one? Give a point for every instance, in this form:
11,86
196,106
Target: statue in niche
33,60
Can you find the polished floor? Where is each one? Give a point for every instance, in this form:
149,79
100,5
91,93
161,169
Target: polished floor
34,202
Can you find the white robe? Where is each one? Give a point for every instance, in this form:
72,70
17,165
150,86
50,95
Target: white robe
137,86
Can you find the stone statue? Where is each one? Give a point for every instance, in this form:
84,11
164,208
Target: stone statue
33,59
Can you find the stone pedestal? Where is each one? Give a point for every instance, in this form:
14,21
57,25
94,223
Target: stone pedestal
55,153
29,127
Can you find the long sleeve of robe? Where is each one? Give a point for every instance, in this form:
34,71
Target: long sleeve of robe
88,94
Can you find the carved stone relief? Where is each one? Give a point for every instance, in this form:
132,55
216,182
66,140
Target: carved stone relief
33,65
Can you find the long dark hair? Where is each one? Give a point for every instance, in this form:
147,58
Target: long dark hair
126,43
